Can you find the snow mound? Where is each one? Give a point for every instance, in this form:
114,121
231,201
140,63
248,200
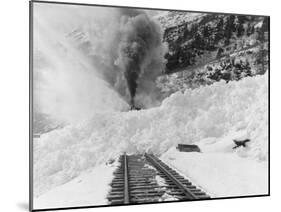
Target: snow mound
86,190
211,116
239,176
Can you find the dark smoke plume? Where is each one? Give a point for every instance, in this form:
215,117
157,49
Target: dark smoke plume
140,37
124,47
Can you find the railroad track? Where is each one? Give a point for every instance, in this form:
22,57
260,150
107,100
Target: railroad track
146,179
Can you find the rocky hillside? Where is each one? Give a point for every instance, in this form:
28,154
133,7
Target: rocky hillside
204,48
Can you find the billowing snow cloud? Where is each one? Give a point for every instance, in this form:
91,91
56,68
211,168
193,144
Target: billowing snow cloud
89,59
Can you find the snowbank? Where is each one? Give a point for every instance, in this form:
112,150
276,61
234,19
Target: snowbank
221,174
207,115
86,190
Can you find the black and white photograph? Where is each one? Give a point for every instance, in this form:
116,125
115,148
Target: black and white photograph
141,105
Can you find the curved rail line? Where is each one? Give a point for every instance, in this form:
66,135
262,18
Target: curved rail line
146,179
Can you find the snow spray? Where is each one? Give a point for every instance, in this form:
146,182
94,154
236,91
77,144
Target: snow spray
82,67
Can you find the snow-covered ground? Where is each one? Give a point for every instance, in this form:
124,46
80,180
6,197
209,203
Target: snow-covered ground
221,174
89,189
174,18
209,116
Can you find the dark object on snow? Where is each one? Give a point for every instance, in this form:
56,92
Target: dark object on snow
240,143
188,148
110,161
133,107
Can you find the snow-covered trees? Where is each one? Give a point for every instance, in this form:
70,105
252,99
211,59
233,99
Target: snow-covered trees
191,41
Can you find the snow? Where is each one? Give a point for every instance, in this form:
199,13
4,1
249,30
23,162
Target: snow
259,25
88,189
210,116
221,174
160,180
167,197
169,19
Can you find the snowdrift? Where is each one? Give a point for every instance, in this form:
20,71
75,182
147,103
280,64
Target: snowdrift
209,171
207,116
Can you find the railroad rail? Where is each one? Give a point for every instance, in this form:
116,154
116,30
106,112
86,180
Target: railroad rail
147,179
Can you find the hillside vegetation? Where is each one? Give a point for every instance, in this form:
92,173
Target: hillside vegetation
206,48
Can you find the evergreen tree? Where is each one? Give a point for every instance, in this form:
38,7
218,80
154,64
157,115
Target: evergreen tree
219,30
229,27
240,25
240,30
